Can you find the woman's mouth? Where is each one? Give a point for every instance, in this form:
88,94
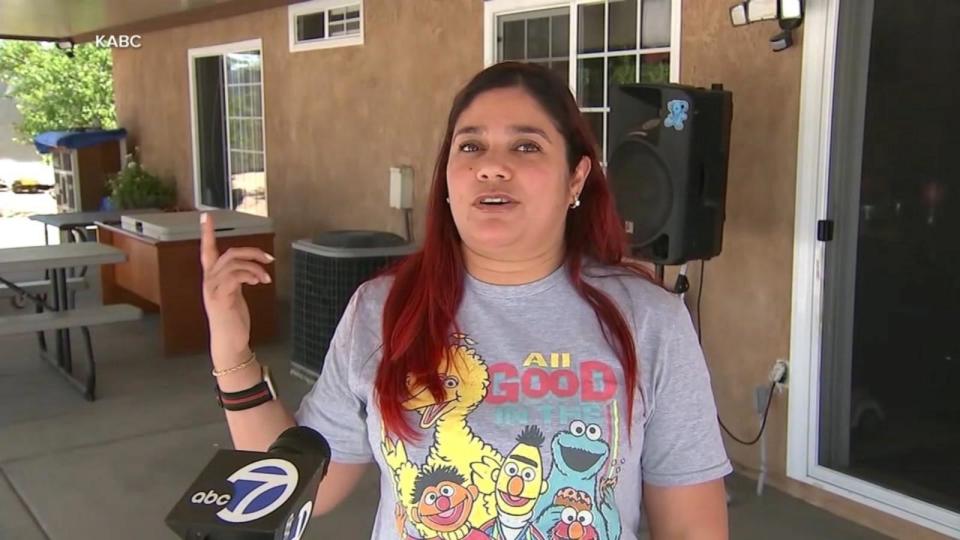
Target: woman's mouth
494,203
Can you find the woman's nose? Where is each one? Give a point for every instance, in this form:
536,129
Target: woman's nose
493,169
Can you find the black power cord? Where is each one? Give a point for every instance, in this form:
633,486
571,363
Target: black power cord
766,409
763,424
699,303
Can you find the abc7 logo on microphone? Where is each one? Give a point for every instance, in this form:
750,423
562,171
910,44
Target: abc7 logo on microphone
260,488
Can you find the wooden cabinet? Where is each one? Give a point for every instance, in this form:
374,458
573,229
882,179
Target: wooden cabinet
165,276
64,185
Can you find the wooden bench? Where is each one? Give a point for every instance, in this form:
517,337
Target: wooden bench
64,320
43,286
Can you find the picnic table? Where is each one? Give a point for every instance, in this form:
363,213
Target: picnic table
77,223
55,310
77,227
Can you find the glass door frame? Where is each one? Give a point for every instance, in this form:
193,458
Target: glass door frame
222,50
832,103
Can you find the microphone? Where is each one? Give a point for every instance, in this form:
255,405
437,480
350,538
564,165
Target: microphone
243,495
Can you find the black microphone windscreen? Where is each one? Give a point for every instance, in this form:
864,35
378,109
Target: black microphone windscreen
301,440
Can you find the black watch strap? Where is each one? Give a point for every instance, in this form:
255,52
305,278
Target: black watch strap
257,394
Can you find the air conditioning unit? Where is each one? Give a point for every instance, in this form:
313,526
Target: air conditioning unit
326,272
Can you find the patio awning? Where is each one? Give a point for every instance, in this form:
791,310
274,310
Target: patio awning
73,20
50,140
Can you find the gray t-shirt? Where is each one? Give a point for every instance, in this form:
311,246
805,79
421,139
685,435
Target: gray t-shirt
531,440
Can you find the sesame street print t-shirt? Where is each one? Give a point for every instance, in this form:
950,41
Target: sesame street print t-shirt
531,438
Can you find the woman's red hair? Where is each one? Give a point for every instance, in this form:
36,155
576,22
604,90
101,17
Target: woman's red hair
419,314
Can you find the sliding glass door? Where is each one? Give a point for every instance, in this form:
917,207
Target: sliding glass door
890,359
230,155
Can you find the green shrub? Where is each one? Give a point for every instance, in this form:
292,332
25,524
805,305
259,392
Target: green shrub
136,187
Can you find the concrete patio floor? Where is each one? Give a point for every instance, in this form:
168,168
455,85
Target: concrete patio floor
73,470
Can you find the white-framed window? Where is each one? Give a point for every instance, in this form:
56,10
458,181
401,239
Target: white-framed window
592,43
229,147
322,24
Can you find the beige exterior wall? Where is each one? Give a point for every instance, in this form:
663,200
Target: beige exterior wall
337,119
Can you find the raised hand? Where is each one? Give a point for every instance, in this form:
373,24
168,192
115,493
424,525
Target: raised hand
223,278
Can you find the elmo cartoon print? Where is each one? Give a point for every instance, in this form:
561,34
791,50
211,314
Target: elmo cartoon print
576,518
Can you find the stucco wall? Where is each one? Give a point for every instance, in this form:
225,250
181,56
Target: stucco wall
336,119
746,296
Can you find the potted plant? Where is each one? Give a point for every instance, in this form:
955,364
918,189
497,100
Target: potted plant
136,187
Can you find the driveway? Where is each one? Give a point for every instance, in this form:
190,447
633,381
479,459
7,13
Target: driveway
16,229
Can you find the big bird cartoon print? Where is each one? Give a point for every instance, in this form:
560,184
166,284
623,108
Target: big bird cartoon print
455,445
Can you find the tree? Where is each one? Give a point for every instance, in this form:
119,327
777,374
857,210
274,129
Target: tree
53,91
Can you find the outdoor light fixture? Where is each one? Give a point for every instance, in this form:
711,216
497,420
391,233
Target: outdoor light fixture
789,13
66,46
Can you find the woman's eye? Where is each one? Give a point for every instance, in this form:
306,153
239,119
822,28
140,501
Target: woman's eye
469,147
528,147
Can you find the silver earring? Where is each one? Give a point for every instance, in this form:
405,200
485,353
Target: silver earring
576,203
448,200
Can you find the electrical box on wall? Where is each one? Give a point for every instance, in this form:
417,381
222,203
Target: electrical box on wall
401,187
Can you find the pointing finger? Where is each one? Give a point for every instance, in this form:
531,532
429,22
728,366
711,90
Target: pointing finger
208,243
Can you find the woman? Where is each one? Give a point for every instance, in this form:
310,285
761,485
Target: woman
531,383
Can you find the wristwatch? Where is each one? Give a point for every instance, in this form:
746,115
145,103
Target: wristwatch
257,394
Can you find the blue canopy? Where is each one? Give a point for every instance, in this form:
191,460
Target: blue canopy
48,141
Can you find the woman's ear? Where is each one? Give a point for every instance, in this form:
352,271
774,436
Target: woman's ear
579,177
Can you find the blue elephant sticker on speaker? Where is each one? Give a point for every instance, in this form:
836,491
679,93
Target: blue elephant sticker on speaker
676,114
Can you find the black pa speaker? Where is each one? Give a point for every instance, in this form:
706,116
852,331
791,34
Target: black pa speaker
668,168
